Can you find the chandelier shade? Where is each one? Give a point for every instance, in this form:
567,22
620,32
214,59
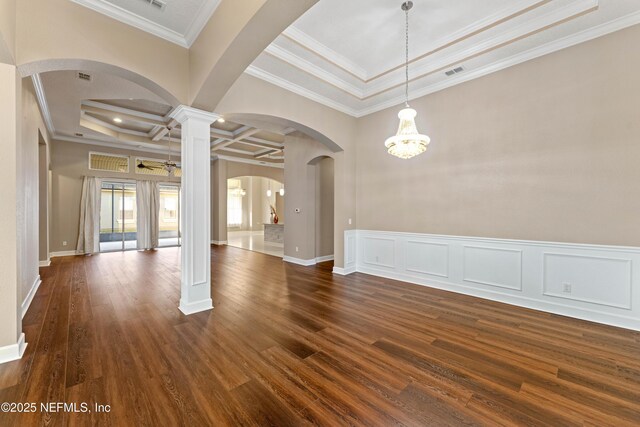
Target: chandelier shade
407,143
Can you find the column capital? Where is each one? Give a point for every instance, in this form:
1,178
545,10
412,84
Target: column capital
183,112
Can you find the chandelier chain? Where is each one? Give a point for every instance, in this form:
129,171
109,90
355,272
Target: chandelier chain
406,58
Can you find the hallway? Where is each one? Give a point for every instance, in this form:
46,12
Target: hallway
254,241
287,344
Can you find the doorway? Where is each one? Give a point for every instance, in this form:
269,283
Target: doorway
255,214
118,217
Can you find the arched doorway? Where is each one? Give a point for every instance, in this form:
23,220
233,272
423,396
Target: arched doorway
256,214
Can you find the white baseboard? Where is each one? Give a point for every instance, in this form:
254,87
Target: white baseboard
63,253
305,262
589,282
45,263
196,307
344,271
12,352
32,293
219,242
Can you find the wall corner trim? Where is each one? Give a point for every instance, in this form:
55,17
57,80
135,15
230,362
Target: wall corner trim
32,293
12,352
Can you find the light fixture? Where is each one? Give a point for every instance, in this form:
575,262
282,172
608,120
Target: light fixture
169,165
117,120
282,191
407,143
269,193
221,120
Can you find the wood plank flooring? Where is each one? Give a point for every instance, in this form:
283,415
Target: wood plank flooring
291,345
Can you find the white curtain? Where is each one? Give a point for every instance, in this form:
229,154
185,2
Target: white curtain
89,232
148,205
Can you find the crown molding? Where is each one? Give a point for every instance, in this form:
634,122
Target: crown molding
563,43
202,17
185,40
254,71
310,68
42,102
309,43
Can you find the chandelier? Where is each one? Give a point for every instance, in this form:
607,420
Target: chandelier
407,143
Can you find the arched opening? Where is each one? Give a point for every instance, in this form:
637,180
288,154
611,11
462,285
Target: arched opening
48,65
256,214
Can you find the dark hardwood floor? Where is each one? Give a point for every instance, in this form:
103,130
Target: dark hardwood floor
290,345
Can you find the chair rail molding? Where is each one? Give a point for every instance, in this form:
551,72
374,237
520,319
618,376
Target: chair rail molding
589,282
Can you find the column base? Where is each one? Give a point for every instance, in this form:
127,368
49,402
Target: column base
195,307
12,352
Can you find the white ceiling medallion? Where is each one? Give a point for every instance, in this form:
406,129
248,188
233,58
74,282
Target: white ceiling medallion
184,39
408,142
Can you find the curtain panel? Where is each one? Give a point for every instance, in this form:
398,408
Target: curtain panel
89,231
148,205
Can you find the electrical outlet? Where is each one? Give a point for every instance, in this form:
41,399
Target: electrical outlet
64,243
566,287
296,249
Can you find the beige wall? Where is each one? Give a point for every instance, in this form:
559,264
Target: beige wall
10,292
69,163
28,206
61,29
7,31
324,187
301,184
546,150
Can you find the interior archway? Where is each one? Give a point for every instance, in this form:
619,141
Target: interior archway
46,65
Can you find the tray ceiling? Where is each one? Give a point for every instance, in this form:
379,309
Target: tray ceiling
349,55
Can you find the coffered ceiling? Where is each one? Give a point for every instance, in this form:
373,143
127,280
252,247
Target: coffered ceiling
178,21
107,110
349,54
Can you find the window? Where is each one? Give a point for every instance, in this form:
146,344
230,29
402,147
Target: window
169,215
154,167
234,203
108,162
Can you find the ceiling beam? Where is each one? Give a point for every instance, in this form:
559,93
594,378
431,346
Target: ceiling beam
237,138
124,113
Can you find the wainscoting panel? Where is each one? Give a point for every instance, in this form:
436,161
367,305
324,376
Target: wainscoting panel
492,266
427,258
603,281
591,282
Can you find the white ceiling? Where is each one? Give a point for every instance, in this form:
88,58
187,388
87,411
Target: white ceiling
180,21
349,54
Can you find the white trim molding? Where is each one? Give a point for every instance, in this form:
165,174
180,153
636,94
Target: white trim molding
32,293
44,263
13,352
185,39
589,282
63,253
299,261
307,262
188,308
219,242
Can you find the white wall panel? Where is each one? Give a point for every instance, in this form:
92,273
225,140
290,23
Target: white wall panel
590,282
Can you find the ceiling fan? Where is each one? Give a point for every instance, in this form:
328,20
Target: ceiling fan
168,165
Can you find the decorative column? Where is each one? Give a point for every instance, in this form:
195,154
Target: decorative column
195,218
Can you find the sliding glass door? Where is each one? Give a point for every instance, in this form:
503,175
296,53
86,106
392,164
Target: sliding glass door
118,217
169,215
